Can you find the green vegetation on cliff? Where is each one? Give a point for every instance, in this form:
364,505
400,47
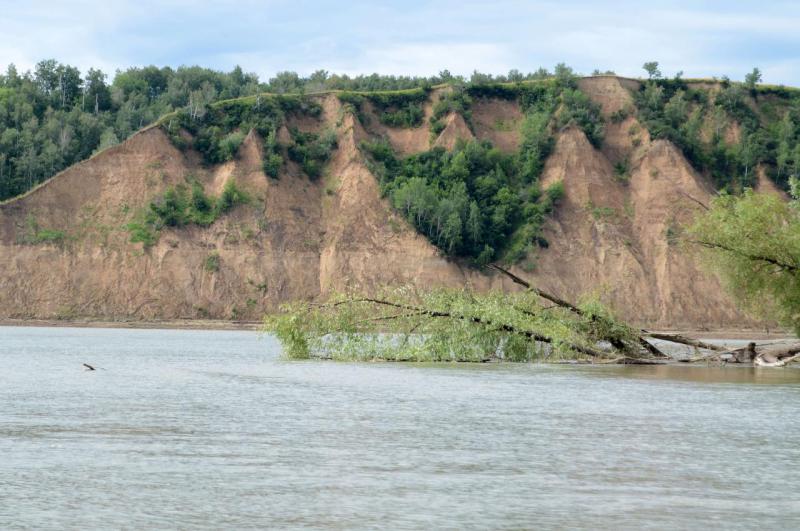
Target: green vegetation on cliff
726,129
476,201
55,116
399,108
217,131
183,205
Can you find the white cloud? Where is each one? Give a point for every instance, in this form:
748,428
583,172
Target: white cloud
412,37
431,58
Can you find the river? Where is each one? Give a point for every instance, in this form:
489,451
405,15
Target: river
213,429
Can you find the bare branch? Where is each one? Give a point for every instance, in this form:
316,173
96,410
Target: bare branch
756,258
696,200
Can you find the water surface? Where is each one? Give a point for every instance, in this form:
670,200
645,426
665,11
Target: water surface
195,429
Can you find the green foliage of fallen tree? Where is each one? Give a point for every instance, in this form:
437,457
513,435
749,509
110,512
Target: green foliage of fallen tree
406,324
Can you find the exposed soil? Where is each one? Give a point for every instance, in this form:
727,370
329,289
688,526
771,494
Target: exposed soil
455,129
498,121
298,238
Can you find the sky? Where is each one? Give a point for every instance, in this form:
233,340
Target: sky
410,37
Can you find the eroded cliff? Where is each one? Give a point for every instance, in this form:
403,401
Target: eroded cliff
299,238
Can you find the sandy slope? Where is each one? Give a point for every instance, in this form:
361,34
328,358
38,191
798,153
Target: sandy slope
300,238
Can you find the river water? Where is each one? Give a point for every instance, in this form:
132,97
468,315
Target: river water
196,429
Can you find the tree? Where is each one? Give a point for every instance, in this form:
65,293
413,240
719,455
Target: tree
474,225
407,324
652,70
286,83
515,75
316,81
46,76
451,232
751,151
12,76
98,96
479,78
752,79
565,75
450,325
69,85
752,242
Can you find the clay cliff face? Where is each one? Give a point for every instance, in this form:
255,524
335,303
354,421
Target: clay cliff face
299,239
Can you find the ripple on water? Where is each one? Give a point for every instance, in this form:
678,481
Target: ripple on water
213,430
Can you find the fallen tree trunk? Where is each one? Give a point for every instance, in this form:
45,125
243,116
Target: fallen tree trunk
681,340
406,324
772,358
643,343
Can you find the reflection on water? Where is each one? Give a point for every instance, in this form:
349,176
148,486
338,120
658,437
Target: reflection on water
191,429
708,373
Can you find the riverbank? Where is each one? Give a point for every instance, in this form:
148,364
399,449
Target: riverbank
218,324
167,324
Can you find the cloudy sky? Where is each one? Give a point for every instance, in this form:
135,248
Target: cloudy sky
702,38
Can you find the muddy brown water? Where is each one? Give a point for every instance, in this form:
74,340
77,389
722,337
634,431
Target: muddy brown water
209,430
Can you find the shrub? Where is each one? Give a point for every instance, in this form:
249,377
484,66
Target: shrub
311,150
34,234
180,206
621,172
229,145
142,232
211,263
409,116
400,108
578,109
272,164
273,160
201,207
230,197
620,115
437,126
555,192
456,101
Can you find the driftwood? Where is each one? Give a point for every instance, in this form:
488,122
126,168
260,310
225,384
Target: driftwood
778,357
681,340
745,355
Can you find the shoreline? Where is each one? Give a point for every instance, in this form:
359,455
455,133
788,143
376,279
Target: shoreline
166,324
218,324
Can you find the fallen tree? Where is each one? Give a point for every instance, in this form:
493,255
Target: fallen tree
778,357
407,324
